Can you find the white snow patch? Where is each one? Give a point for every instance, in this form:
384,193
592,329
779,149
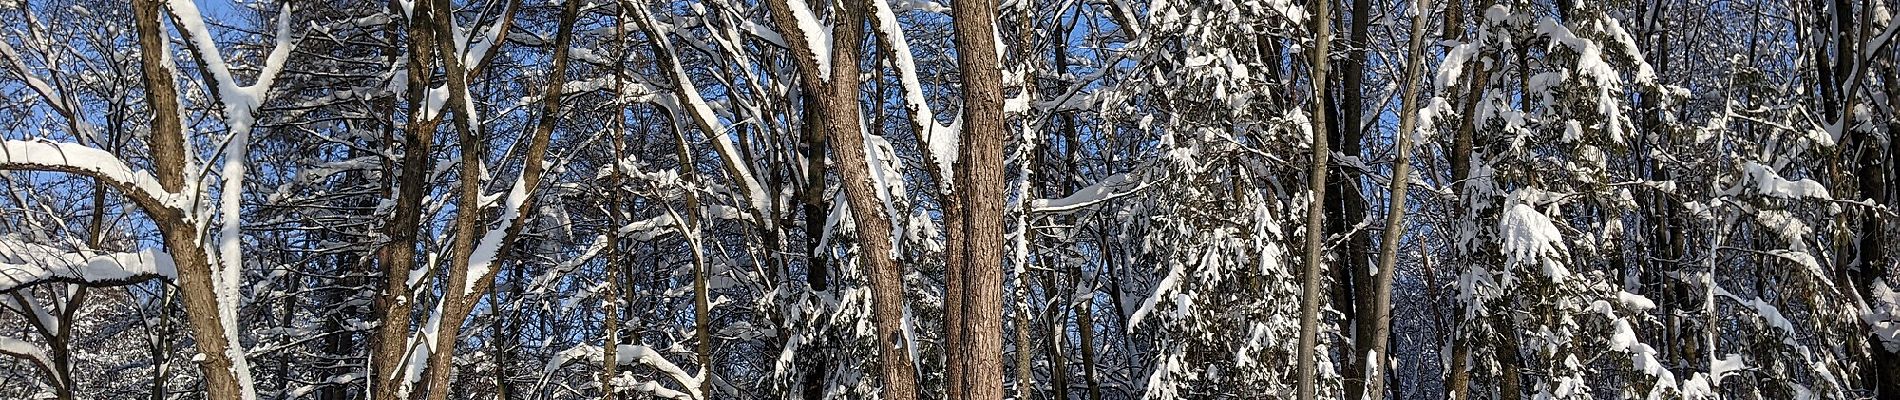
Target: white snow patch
1769,183
1529,237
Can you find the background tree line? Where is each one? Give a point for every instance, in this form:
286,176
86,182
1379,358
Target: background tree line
1049,199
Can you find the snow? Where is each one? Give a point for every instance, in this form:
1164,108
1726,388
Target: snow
29,351
1770,183
628,354
1168,285
1726,366
1113,186
472,54
817,35
1622,337
1291,10
1529,236
1428,119
649,228
940,139
1608,83
1769,314
887,180
1883,315
1807,261
1642,357
482,260
1626,43
1452,69
1635,302
80,159
708,120
53,98
23,263
1697,387
1784,225
240,104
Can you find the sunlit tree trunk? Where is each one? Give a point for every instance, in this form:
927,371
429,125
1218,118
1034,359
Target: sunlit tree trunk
199,295
839,103
1308,373
398,256
1378,333
977,234
456,302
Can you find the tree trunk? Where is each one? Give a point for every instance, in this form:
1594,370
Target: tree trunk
979,185
839,105
1355,289
161,348
398,256
817,268
817,262
1025,373
1378,333
219,367
457,302
1315,211
610,294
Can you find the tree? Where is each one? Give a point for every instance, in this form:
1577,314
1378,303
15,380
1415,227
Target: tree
1315,214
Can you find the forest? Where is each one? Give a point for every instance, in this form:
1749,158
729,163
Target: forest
949,199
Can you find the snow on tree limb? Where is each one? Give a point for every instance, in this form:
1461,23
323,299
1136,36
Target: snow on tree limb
74,158
1110,188
24,264
940,139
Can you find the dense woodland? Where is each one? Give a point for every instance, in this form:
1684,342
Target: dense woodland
973,200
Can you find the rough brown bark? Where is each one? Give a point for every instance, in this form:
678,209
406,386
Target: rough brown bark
838,102
1459,380
180,234
398,256
1025,373
979,184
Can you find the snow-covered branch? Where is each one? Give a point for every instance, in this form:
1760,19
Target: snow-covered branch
24,264
74,158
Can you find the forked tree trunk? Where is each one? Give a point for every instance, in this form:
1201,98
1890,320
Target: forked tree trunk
398,256
457,302
202,315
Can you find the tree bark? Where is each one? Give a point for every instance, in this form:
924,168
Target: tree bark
838,102
398,256
979,184
1378,333
610,295
1315,211
1354,288
221,379
457,303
